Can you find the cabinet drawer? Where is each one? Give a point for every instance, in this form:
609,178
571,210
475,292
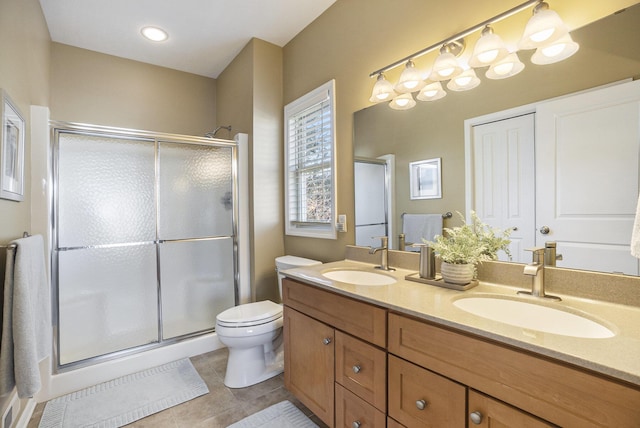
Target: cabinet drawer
359,319
362,369
554,391
420,398
352,411
493,413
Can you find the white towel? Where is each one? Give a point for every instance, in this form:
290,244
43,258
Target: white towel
418,228
26,322
635,235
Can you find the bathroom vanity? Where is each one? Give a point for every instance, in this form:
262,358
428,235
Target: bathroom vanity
403,355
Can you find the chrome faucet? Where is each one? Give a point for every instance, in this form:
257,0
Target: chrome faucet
384,253
536,271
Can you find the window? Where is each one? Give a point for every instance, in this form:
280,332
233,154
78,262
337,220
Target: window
310,164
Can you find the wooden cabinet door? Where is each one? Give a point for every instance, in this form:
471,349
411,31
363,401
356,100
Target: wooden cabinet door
422,399
486,412
309,362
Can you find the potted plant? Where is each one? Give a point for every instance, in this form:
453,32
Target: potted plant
465,246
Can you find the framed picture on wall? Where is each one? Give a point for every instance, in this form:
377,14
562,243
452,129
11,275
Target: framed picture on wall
425,177
11,150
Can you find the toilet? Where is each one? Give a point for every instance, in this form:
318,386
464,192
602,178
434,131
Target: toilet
253,334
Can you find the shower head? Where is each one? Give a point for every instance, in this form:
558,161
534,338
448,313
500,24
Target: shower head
213,133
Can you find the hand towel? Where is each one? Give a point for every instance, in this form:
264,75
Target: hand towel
418,228
26,327
635,235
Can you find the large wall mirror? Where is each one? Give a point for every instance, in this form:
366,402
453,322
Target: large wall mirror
609,52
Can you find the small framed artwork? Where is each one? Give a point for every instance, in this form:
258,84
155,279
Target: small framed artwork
426,181
11,150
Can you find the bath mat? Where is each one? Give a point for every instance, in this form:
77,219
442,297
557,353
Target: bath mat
126,399
281,415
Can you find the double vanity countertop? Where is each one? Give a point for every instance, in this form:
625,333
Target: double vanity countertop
617,356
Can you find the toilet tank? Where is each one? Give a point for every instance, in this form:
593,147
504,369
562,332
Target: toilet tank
290,262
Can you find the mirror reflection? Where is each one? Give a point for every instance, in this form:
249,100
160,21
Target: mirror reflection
392,140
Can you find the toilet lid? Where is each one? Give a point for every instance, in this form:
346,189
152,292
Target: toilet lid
251,313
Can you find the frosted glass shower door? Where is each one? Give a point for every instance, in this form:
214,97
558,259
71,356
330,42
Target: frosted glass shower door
196,235
104,248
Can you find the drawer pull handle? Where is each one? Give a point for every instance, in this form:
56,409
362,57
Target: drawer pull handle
356,369
326,340
421,404
356,424
476,417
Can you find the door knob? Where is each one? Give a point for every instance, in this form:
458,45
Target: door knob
544,230
326,340
356,424
356,369
421,404
476,417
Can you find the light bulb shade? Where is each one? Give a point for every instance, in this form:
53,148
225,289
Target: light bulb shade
488,50
382,90
410,80
464,81
544,27
431,92
509,66
403,102
557,51
445,67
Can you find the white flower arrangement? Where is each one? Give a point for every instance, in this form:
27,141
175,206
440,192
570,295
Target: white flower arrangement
471,243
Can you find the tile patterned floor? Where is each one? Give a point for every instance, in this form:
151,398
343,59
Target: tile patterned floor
221,407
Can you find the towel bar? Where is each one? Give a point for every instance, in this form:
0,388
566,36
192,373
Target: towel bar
445,215
13,246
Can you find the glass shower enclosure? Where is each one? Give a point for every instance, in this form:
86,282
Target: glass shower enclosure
144,239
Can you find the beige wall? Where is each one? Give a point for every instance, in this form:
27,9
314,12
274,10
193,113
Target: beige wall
90,87
24,75
355,37
250,100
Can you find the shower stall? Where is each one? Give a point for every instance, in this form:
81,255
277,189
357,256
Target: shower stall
144,240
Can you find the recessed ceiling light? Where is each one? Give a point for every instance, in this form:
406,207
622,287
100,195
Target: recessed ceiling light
154,34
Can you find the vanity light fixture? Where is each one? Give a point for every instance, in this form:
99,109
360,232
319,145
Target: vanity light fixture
433,91
410,79
544,27
382,90
488,49
403,102
446,66
556,51
509,66
465,81
155,34
545,31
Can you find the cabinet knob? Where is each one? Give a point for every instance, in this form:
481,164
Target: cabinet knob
356,424
421,404
476,417
356,369
326,340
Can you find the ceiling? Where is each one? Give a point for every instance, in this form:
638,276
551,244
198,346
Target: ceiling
204,35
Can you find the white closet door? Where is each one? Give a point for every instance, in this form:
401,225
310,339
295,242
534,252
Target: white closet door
503,154
587,176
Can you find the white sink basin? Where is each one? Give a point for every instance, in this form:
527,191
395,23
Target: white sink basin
533,316
359,277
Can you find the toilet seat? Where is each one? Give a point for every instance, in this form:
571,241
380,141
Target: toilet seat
250,314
